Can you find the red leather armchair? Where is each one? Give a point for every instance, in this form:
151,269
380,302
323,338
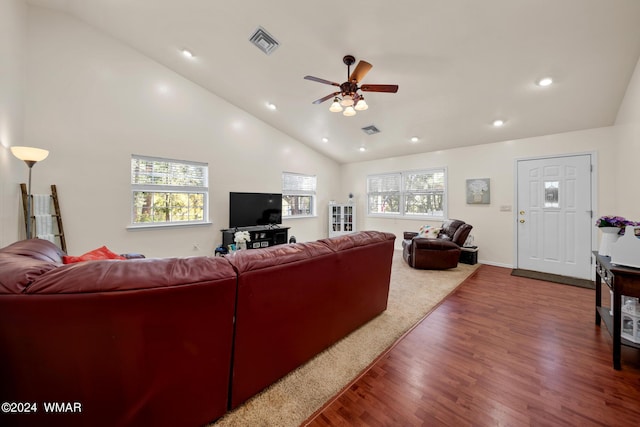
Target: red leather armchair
436,254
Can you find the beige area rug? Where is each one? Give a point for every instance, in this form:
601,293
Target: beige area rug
294,398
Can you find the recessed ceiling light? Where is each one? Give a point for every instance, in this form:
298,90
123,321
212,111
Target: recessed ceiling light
415,139
163,89
363,149
497,123
546,81
271,106
187,53
325,139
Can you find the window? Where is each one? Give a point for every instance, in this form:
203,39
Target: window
424,193
168,192
383,193
298,195
409,194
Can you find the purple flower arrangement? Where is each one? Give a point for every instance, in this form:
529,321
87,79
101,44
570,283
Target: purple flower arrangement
615,221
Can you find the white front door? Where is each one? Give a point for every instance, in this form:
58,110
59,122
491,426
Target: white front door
554,218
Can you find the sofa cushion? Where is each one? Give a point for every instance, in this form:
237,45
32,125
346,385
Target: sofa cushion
97,254
449,228
348,241
455,230
134,274
256,259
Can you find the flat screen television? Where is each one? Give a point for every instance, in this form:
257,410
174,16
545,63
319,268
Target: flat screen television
250,209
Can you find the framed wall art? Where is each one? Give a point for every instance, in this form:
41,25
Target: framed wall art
478,191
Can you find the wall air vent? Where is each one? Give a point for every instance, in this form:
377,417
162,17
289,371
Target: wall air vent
264,41
371,130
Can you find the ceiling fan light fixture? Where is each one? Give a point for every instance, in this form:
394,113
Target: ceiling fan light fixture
350,90
347,101
362,104
335,106
349,111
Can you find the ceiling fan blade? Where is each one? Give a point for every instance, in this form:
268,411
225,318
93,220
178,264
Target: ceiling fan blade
319,80
321,100
361,70
379,88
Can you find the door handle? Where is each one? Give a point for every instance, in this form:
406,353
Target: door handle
522,221
521,212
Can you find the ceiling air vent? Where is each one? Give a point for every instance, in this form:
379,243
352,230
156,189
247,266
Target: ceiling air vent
371,130
264,41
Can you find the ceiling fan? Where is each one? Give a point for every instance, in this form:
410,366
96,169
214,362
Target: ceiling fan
351,99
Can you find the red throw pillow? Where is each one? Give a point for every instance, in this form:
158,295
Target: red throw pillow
96,254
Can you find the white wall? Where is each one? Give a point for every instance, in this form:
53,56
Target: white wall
93,102
493,230
13,24
628,149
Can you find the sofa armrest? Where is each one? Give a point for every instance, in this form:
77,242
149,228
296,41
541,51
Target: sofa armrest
408,235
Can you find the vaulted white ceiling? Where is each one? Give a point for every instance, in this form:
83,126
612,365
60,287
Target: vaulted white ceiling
460,64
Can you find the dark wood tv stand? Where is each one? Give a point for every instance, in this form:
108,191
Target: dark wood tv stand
262,236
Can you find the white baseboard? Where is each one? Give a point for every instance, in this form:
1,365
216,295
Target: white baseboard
495,264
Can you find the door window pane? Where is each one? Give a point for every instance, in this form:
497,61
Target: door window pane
551,194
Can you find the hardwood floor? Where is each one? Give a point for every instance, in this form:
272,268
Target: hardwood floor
500,351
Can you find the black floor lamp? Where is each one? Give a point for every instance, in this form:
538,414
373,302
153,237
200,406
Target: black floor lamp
30,156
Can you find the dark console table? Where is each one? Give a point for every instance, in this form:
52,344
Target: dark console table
621,281
262,236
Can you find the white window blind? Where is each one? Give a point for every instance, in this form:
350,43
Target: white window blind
298,195
297,183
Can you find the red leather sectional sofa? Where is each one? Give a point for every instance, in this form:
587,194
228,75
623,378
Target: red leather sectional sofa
153,341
